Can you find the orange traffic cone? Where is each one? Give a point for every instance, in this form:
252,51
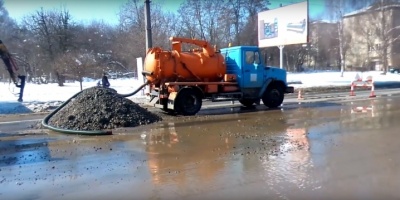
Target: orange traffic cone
372,94
300,96
352,90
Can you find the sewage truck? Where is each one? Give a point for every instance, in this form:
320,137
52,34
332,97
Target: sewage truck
178,81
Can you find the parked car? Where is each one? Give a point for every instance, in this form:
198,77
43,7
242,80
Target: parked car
394,70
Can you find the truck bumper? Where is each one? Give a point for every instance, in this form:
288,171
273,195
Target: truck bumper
289,90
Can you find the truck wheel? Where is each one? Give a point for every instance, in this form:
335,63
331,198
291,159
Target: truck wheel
247,102
273,97
188,102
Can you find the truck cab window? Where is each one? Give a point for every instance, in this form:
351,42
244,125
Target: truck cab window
249,57
252,57
257,57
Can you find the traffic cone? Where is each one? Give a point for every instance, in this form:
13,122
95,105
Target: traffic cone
372,94
300,96
352,90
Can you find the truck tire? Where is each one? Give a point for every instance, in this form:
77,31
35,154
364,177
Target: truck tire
247,102
273,96
188,102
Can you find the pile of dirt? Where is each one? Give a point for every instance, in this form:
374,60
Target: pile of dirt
101,108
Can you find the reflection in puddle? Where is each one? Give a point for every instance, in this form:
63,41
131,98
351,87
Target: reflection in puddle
364,108
292,167
185,155
21,152
367,115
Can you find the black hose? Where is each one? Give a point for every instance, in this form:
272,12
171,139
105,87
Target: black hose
134,92
45,121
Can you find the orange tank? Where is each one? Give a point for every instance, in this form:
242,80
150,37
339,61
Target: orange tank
199,65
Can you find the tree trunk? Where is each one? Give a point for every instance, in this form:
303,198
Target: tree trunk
60,79
384,45
80,83
287,59
341,50
385,60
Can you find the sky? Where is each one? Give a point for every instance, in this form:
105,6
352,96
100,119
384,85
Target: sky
106,10
316,7
82,10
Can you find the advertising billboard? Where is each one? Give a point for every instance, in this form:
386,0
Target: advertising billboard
283,26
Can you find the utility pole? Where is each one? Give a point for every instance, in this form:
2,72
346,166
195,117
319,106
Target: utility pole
149,42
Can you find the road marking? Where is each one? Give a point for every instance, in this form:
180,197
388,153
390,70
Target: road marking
15,122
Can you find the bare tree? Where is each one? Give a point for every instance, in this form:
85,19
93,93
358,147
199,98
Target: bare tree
323,45
129,41
250,33
236,7
8,25
97,38
52,30
295,57
76,65
192,9
338,11
9,34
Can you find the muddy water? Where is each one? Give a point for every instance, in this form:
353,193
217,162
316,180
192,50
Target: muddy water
310,151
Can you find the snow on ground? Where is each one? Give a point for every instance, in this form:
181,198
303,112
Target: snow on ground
41,97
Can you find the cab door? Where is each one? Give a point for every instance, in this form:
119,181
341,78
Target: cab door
252,69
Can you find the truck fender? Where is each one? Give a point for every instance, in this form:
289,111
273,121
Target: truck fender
264,87
198,90
174,95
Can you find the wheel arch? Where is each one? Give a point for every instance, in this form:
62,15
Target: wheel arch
277,83
198,91
272,83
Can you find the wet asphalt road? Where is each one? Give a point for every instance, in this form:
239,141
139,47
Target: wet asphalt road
342,149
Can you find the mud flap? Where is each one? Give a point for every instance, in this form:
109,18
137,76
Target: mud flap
171,100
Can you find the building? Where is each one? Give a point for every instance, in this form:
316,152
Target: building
323,51
369,39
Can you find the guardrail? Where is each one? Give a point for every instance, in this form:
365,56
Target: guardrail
369,82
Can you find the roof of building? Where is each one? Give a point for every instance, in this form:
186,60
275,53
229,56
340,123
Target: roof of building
370,8
322,22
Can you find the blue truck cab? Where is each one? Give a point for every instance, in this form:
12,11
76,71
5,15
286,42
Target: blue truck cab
256,80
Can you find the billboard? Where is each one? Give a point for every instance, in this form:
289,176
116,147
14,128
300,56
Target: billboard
283,26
